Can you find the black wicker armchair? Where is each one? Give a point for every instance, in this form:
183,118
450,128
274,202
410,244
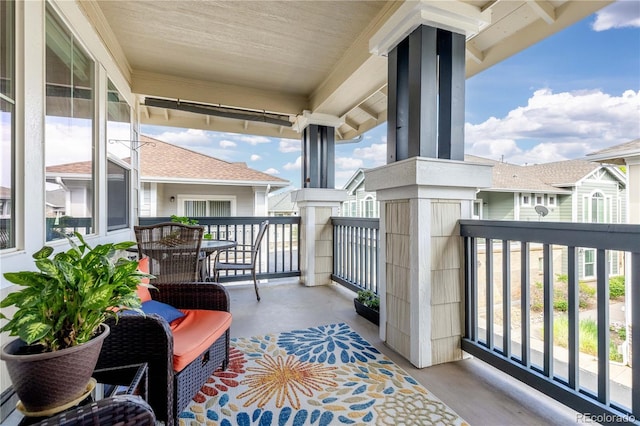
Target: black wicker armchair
136,338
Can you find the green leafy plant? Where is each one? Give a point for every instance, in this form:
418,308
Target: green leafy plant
616,287
183,219
369,298
63,304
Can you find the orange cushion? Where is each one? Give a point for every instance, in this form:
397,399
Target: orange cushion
195,332
143,292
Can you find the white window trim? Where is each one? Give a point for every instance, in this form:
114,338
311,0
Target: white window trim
584,263
522,202
555,200
200,197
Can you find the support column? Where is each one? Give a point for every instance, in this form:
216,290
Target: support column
421,257
318,149
422,199
316,206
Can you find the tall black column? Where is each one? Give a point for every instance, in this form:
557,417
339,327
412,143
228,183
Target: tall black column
426,96
318,157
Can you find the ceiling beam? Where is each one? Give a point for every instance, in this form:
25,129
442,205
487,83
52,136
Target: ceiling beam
544,9
367,111
476,54
214,93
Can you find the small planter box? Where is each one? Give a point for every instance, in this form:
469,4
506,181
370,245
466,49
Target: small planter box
367,312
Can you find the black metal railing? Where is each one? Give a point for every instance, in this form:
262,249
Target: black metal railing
279,254
501,329
355,252
67,226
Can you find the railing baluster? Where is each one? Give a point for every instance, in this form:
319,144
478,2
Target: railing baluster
573,305
603,326
635,333
506,299
525,304
548,311
489,292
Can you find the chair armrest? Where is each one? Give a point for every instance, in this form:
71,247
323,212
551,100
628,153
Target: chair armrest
195,295
135,339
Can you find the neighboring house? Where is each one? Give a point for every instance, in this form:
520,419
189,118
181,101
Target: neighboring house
626,155
176,180
564,191
359,203
569,191
281,204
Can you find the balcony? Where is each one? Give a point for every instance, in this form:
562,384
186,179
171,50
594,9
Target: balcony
517,338
476,391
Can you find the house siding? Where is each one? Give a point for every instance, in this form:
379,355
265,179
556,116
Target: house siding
244,197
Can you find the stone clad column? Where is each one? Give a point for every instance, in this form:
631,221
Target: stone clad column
317,205
421,255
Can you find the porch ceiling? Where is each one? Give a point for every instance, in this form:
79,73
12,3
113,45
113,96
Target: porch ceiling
285,57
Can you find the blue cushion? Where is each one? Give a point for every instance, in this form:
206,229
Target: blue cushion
167,312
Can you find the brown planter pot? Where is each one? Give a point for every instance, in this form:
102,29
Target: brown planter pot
51,379
367,312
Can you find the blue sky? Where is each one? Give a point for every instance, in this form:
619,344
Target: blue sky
573,93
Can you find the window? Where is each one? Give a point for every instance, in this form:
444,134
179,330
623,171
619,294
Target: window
589,267
117,196
539,200
119,159
552,200
207,207
597,208
526,200
354,209
477,209
7,123
69,144
369,206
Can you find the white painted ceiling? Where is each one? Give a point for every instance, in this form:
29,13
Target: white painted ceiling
285,57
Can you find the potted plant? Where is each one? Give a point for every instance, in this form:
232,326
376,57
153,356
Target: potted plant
367,304
59,320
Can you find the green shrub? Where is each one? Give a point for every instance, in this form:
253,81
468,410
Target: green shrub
587,337
561,305
616,287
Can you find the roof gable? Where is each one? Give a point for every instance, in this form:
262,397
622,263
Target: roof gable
160,159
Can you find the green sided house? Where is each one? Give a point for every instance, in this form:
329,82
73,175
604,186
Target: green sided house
564,191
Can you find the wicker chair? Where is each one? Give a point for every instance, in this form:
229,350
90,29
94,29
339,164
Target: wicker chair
173,250
135,339
241,263
122,410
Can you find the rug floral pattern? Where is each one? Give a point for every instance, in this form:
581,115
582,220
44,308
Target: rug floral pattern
327,375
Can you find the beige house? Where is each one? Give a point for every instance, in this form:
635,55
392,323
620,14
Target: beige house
179,181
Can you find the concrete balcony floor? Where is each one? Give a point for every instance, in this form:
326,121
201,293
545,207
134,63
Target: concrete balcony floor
476,391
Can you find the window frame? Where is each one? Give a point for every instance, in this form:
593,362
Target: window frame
8,224
181,198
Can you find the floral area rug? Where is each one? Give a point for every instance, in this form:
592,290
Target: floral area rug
327,375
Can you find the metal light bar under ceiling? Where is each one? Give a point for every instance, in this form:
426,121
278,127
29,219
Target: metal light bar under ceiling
220,111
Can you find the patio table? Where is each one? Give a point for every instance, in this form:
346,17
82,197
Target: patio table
208,247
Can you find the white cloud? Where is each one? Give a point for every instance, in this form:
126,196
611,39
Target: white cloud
621,14
376,154
289,145
557,126
296,165
185,138
255,157
272,171
347,163
225,144
253,140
